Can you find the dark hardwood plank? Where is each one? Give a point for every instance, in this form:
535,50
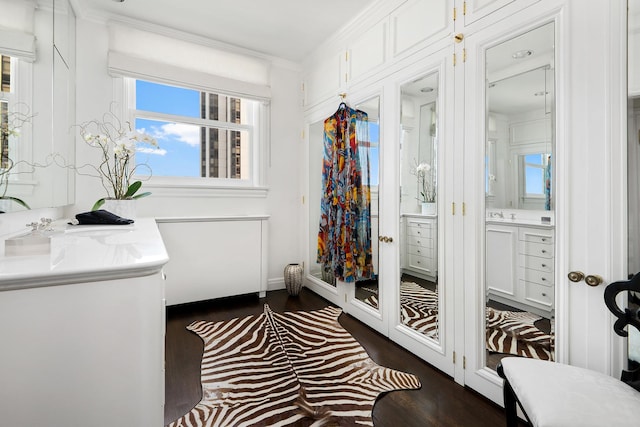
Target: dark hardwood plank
440,401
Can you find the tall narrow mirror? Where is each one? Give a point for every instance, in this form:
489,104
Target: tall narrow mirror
633,168
418,205
519,181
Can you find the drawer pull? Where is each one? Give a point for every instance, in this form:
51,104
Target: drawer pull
418,241
544,239
543,279
418,251
544,251
417,232
544,265
544,295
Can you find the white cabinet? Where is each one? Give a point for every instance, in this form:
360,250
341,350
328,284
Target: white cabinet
530,285
501,252
421,246
82,330
232,251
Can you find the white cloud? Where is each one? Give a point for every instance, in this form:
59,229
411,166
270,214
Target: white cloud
189,134
150,150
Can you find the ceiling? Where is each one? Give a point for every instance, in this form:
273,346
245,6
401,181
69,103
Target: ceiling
288,29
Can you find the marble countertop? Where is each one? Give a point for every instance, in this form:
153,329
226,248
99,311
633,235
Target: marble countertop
87,253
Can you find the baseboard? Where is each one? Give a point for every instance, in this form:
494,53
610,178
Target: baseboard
275,284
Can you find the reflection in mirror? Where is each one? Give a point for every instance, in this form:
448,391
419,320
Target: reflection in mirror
418,212
369,149
519,187
633,170
43,88
368,160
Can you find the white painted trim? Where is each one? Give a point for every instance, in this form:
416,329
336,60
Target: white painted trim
177,219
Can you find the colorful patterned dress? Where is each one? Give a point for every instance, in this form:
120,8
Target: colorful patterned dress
344,238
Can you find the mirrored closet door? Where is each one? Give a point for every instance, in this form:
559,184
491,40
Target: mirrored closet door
423,295
513,313
344,184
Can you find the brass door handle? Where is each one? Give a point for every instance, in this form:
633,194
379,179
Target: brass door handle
593,280
385,239
576,276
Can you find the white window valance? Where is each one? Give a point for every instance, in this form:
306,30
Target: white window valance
17,29
150,56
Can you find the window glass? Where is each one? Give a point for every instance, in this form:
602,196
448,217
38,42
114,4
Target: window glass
167,99
534,165
200,134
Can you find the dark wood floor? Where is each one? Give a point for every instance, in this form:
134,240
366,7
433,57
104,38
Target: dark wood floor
440,401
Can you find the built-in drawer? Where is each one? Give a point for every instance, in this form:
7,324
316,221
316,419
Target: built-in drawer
421,262
424,242
424,231
420,251
539,294
536,263
535,235
536,276
542,250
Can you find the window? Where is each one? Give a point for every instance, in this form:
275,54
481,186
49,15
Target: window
200,134
6,91
534,166
373,153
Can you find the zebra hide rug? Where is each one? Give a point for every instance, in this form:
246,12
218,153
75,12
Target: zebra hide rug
515,332
295,368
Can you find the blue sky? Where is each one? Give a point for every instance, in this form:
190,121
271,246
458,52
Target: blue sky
179,153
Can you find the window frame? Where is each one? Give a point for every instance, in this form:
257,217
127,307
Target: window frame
259,141
21,94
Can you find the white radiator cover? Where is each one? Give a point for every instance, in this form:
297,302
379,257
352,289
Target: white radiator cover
214,257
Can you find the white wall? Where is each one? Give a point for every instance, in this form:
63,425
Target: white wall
95,93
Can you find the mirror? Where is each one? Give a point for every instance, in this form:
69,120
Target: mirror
368,138
633,170
520,100
44,91
519,192
419,285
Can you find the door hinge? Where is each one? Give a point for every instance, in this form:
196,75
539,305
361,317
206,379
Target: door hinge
454,59
303,200
454,13
345,297
453,208
454,357
464,8
345,78
464,55
464,362
302,134
346,56
464,208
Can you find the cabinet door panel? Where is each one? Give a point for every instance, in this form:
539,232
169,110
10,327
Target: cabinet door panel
368,52
475,10
500,265
418,22
324,79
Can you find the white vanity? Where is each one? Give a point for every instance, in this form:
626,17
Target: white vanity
82,329
520,264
